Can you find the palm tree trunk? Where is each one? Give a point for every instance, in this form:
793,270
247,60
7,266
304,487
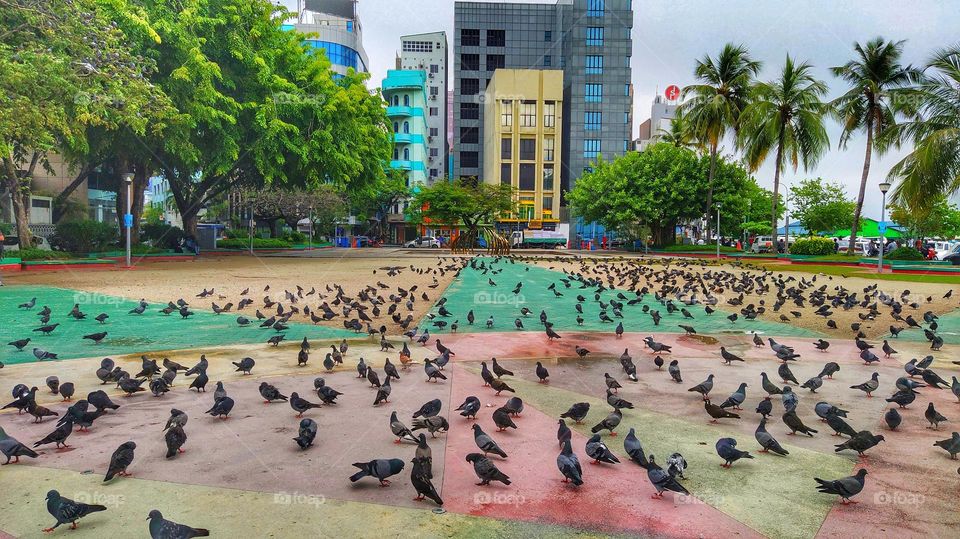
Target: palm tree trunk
851,247
713,172
776,195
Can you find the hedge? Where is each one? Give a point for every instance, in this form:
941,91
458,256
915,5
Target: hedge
905,253
82,237
161,235
813,246
258,243
39,254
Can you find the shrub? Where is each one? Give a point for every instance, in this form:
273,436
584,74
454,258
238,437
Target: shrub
161,235
812,246
6,229
258,243
82,237
39,254
905,253
295,237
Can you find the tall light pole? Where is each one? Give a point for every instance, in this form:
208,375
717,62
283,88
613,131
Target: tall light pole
718,231
128,217
310,240
251,225
884,187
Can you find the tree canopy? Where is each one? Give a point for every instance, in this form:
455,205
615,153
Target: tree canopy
462,202
821,206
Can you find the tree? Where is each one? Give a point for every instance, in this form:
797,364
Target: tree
876,80
786,117
390,191
65,66
821,206
933,167
717,100
680,133
461,201
936,218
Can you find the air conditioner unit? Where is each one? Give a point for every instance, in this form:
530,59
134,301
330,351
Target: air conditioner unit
430,138
431,75
433,98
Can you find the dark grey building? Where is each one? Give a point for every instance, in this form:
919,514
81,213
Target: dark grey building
588,39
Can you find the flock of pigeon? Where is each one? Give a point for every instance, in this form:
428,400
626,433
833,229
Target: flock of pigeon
675,289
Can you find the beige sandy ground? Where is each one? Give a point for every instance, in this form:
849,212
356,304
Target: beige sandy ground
919,292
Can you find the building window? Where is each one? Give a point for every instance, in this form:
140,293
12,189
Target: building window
548,203
506,149
469,86
528,149
396,127
528,114
548,36
594,65
626,89
350,26
433,174
594,8
406,100
470,111
592,121
591,148
434,111
470,62
434,90
506,113
495,62
434,68
548,177
548,148
469,37
469,135
469,159
593,93
626,117
396,101
549,114
418,46
547,62
434,131
396,154
406,154
337,54
406,127
595,36
496,38
434,152
626,146
506,171
528,176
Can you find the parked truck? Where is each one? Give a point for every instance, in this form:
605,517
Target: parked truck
542,239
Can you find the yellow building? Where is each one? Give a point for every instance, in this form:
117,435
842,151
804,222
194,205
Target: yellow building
522,136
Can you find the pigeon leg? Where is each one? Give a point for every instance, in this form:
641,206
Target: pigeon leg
657,496
613,433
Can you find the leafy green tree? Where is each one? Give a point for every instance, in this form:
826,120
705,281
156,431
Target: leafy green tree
936,218
680,133
876,79
786,117
461,201
932,168
65,66
716,101
390,191
821,206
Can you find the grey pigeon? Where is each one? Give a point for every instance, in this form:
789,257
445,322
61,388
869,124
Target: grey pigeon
846,488
120,460
486,470
381,469
609,423
486,443
161,528
221,407
66,510
569,465
663,481
307,433
767,441
863,441
13,449
892,418
175,437
577,412
950,445
420,478
599,451
727,449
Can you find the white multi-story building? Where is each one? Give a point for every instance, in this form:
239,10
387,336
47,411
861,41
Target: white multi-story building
662,113
334,26
428,53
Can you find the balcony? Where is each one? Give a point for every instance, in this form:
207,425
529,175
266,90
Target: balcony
400,111
407,165
407,138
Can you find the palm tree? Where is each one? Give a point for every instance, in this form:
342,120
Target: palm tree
680,133
717,100
932,169
876,78
785,116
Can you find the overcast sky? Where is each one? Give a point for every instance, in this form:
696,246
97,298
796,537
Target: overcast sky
668,36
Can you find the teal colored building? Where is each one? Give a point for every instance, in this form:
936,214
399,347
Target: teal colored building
405,92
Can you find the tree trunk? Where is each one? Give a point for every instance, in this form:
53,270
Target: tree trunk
20,200
713,171
776,195
141,177
851,247
190,220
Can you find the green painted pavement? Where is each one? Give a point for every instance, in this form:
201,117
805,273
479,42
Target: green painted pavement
471,290
127,333
773,495
948,329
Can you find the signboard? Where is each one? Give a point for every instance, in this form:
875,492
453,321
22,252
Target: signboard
672,92
882,227
128,220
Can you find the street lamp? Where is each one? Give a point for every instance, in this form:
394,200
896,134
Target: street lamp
718,231
884,187
128,217
310,241
251,224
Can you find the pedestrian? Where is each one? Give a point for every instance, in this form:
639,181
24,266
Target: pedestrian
836,245
2,240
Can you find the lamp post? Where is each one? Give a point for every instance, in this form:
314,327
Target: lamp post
128,216
718,231
310,240
884,187
250,225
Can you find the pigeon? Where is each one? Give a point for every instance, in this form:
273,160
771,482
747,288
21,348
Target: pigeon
631,444
813,384
221,407
736,398
829,370
175,437
200,382
569,465
161,528
674,370
765,407
870,385
120,460
19,344
717,412
381,469
420,478
499,385
97,338
245,365
543,374
486,443
789,398
903,398
432,371
793,422
469,408
703,388
824,409
42,354
67,390
599,451
663,481
727,450
933,417
950,445
863,441
66,510
271,393
767,441
821,345
839,426
400,430
577,412
892,418
609,423
933,379
486,470
307,433
301,405
13,449
846,488
433,424
58,436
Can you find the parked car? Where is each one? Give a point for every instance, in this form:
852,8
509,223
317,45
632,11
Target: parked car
945,248
762,244
423,241
952,256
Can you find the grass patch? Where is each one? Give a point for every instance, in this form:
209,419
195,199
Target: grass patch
30,255
842,271
699,249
